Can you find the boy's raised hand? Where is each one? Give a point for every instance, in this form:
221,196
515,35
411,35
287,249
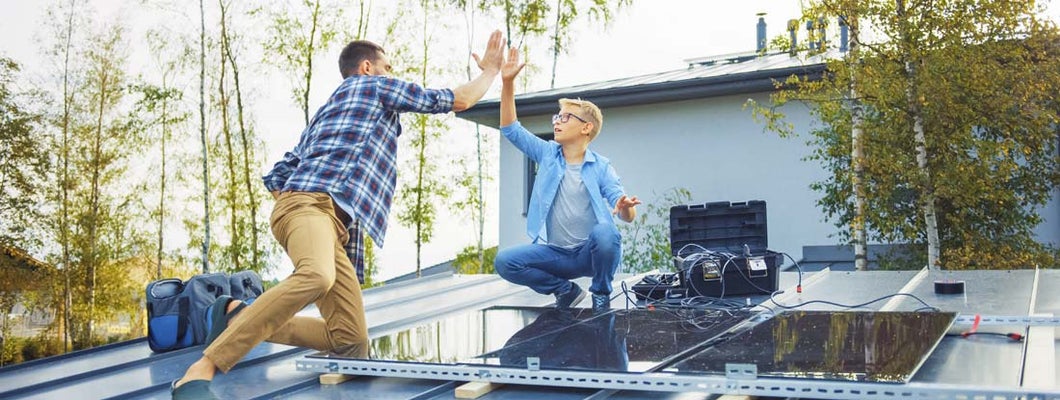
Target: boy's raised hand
492,59
511,66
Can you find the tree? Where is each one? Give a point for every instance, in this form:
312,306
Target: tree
161,112
72,16
530,19
298,36
469,202
646,241
202,137
105,241
958,126
237,146
420,196
25,159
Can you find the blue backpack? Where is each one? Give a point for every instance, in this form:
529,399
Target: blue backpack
176,310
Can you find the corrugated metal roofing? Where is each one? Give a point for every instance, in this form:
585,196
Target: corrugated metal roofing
130,370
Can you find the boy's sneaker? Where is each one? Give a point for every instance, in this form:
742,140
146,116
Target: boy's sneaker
571,297
601,302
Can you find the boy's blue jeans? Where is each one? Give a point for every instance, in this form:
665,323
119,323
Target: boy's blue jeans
548,269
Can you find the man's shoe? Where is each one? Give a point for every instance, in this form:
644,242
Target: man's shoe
571,297
601,302
218,317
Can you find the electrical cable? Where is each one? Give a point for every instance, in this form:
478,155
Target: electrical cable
772,298
700,301
1012,335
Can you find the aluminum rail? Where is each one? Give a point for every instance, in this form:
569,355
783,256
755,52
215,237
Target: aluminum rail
734,383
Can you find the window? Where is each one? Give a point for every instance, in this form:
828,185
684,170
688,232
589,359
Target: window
530,175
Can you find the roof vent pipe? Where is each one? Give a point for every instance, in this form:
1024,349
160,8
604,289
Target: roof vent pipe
822,35
761,45
809,35
793,27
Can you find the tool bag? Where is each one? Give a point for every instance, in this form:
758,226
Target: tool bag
246,286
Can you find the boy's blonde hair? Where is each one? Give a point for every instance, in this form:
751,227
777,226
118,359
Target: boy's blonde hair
587,110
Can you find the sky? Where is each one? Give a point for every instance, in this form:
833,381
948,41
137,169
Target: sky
648,37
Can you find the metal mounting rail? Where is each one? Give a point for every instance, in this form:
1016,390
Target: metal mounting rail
968,319
670,382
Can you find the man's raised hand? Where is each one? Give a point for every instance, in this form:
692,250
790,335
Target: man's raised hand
492,59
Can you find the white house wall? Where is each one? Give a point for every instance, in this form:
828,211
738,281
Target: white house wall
712,147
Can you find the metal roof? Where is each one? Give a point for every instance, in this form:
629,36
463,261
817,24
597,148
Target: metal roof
705,77
130,370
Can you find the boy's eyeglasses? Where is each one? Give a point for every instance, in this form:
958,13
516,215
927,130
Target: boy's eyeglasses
563,118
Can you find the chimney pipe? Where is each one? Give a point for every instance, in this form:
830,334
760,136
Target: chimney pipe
761,45
822,35
844,35
810,35
793,27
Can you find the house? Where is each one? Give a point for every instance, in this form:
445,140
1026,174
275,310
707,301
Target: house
689,128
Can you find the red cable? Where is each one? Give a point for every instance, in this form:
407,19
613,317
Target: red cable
975,326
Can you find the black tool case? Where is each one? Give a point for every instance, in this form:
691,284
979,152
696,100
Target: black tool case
721,248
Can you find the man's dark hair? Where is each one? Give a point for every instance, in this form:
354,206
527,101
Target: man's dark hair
354,53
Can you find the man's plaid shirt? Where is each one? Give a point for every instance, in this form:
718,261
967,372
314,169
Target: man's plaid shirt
349,150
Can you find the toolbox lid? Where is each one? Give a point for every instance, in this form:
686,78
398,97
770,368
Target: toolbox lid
719,226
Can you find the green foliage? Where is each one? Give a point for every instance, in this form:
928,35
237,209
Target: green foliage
371,265
467,261
105,241
980,80
424,186
468,199
24,161
536,18
646,241
297,38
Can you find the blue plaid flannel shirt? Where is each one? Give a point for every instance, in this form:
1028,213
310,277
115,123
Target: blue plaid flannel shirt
349,150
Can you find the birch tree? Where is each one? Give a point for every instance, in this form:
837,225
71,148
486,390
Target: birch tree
299,35
420,196
957,126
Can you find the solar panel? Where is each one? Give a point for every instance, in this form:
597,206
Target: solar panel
451,339
851,346
634,340
621,340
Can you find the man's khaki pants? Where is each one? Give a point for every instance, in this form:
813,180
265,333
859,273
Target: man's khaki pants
312,233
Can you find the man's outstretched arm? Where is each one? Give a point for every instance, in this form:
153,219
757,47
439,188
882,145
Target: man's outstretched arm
466,95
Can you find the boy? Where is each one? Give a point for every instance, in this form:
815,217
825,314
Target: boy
574,197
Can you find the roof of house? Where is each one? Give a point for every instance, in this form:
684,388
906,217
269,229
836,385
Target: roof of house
20,258
704,77
130,370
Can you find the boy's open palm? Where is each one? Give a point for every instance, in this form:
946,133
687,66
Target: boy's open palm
512,66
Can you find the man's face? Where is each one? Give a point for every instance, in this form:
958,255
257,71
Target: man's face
381,66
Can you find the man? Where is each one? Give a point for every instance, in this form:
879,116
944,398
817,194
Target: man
338,180
574,197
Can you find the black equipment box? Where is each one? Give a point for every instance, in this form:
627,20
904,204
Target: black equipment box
720,248
660,287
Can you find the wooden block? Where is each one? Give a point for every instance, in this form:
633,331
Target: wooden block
335,379
474,390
